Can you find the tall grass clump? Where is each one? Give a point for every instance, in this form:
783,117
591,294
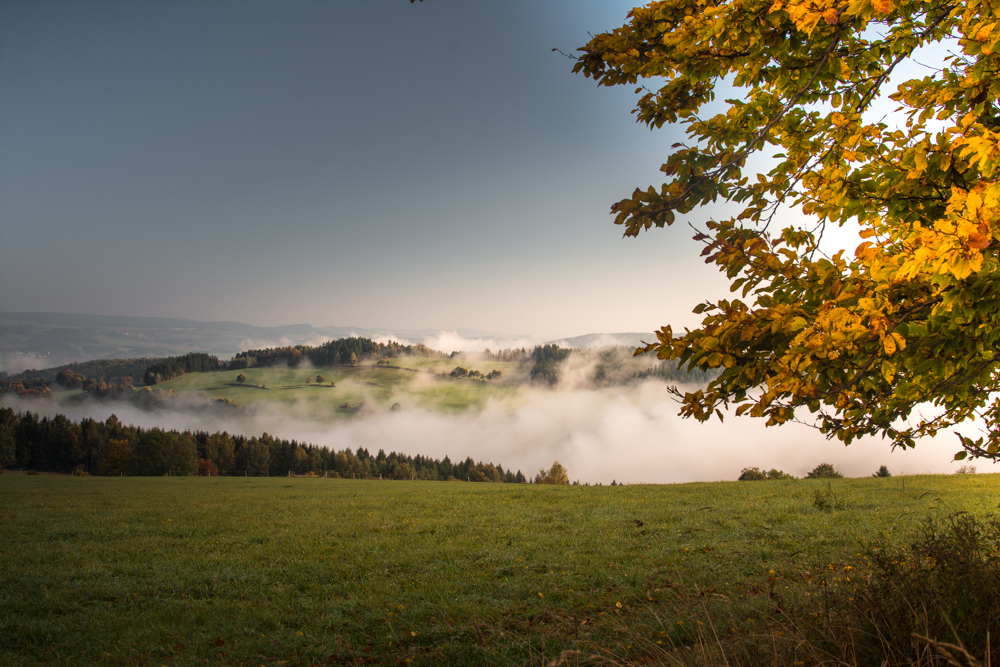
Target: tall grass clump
941,589
932,600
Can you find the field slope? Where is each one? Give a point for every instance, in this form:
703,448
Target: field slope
171,571
423,383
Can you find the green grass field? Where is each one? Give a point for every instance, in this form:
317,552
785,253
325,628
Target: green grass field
424,383
259,571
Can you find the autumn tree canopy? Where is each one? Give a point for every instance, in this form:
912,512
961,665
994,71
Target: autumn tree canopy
555,475
897,337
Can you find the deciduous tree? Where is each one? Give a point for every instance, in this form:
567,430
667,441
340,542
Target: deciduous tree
823,471
555,475
857,337
117,457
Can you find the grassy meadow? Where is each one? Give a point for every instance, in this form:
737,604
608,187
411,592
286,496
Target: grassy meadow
261,571
412,382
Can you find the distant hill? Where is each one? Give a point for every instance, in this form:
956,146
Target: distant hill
588,341
47,340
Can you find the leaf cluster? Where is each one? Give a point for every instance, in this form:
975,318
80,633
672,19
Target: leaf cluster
859,340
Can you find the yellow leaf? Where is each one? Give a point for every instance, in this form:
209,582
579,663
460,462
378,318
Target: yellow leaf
945,162
888,372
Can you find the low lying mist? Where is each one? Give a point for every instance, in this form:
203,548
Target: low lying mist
256,343
18,362
628,434
452,341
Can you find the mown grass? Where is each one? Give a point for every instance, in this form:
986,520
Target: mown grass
286,388
170,571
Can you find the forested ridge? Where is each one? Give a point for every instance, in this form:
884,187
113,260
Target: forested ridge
31,442
112,371
110,374
340,352
195,362
117,378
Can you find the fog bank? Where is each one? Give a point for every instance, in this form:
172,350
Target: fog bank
629,435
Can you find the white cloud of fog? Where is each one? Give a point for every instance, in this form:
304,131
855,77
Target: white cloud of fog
630,435
443,341
265,343
17,362
385,339
595,341
452,341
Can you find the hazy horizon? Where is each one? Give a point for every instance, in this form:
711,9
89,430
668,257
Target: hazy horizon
260,162
75,341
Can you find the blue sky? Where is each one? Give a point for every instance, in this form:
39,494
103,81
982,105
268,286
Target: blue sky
373,163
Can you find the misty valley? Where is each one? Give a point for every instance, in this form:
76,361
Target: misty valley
359,373
344,379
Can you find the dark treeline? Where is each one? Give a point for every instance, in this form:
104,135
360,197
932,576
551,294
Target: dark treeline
93,447
547,360
341,352
28,387
103,375
171,367
145,397
517,355
111,371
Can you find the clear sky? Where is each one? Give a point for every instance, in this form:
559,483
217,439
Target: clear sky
372,163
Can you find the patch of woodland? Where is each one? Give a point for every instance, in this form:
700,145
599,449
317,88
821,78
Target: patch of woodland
58,444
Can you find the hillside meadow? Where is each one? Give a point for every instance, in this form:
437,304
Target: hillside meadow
251,571
411,382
